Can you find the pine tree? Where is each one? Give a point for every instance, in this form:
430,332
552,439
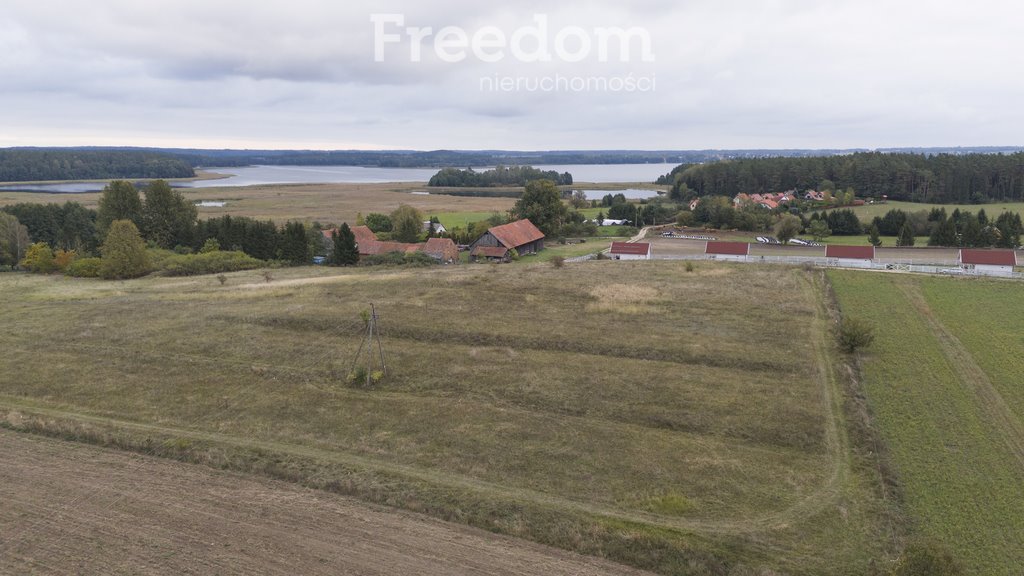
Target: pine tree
344,251
906,237
943,234
874,237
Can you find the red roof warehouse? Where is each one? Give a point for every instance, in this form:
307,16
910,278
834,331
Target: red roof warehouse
727,248
988,257
631,248
851,252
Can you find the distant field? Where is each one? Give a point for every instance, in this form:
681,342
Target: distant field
676,421
944,381
868,212
328,203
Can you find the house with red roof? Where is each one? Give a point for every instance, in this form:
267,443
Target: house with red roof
441,249
630,251
521,236
993,262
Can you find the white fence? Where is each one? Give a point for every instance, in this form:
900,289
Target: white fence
822,262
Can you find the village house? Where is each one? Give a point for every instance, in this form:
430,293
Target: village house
521,236
441,249
438,227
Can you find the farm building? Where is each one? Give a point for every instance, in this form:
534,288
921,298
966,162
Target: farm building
727,250
365,239
521,236
630,251
853,256
994,262
438,227
489,253
442,249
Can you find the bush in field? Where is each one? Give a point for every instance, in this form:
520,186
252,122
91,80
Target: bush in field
557,261
39,258
84,268
924,558
209,263
63,258
211,245
855,334
124,252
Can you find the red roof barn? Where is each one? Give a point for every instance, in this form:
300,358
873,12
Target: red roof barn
631,251
1005,258
521,236
850,252
727,248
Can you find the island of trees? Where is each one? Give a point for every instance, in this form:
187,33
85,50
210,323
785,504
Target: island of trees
500,176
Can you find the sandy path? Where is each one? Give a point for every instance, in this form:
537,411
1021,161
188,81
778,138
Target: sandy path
71,508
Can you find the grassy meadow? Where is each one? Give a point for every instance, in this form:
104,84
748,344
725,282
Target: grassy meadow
667,419
944,381
868,212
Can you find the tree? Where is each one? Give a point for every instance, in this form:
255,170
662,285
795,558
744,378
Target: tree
599,219
168,219
874,237
118,201
39,258
944,233
378,222
344,251
787,228
211,245
970,231
819,230
407,224
14,240
124,252
579,199
1009,229
541,203
906,236
295,245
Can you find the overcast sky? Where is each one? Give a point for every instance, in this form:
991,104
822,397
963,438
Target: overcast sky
717,74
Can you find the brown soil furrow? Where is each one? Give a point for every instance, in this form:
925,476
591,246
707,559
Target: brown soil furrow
185,519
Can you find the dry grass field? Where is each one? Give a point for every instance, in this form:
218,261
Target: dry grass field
128,514
681,422
308,202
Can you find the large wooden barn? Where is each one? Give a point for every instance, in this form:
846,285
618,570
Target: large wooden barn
521,236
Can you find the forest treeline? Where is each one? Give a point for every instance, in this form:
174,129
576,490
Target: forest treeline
500,176
939,178
35,164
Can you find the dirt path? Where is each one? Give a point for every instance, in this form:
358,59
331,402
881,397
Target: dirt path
185,519
990,400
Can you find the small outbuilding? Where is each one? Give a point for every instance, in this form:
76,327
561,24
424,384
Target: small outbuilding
521,236
630,251
441,249
852,256
489,253
991,262
719,250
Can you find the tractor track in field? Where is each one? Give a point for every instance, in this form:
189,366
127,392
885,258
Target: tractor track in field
992,403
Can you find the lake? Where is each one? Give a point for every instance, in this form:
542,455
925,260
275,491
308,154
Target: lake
264,175
629,193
